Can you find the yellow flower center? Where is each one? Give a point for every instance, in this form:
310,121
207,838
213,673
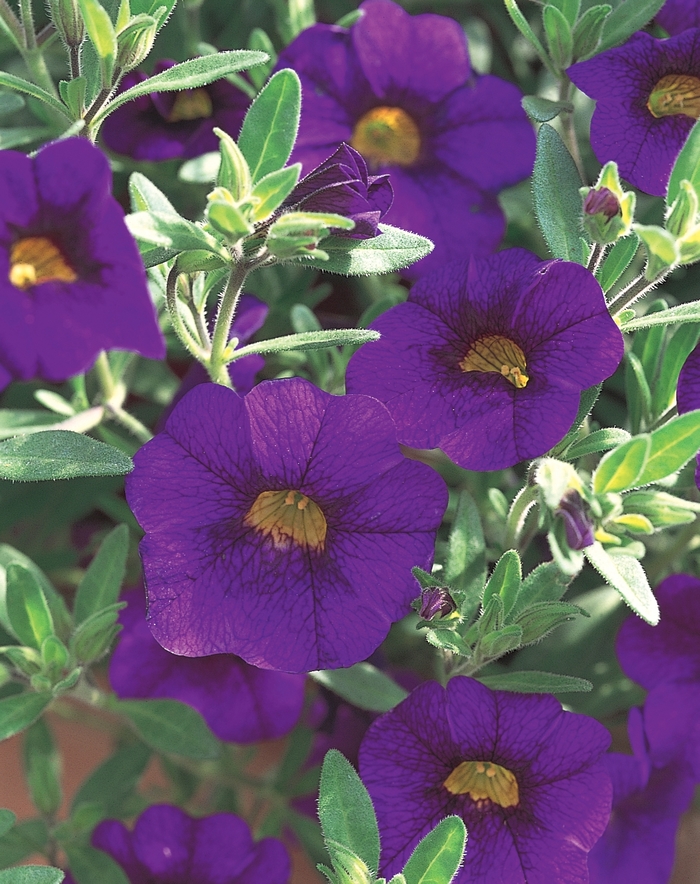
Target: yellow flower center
36,259
288,517
191,104
499,354
483,780
387,136
676,94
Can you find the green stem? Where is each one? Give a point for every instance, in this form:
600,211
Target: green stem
27,19
74,61
639,287
113,396
596,259
523,503
181,330
569,129
104,377
130,423
217,363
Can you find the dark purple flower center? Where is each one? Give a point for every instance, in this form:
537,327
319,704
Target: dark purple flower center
500,354
191,104
484,781
387,136
676,94
37,259
288,517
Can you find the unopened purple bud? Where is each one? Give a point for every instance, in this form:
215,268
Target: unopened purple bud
601,201
436,601
577,521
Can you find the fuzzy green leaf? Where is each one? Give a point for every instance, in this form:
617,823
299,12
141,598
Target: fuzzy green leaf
59,454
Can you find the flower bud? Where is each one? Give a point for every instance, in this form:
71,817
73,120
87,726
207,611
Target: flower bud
684,211
68,21
607,210
578,524
435,602
135,41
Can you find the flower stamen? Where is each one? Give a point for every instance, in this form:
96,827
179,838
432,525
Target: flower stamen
484,780
387,136
676,94
37,259
191,104
288,517
498,354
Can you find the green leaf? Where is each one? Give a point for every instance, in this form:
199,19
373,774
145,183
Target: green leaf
271,124
617,261
7,821
24,839
170,726
438,855
637,392
101,31
678,348
32,875
42,767
621,468
19,711
102,581
625,19
544,109
10,103
202,169
465,563
588,399
533,682
114,780
17,421
589,30
59,454
522,24
672,446
598,440
20,85
362,685
27,607
93,637
20,135
689,312
392,250
505,580
310,341
345,809
626,575
273,190
173,232
187,75
152,7
686,167
545,583
89,866
559,37
557,199
146,197
62,620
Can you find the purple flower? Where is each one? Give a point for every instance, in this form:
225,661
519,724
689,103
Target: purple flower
173,125
670,651
239,702
688,392
342,185
576,516
487,358
436,601
648,99
281,527
525,776
73,280
638,844
400,90
166,846
679,15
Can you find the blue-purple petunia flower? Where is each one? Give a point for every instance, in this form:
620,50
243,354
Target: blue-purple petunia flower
400,90
166,846
73,282
525,776
239,702
488,357
173,125
649,796
343,185
648,100
281,527
679,15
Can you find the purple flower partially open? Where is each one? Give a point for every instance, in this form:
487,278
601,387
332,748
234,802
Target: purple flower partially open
401,91
679,15
525,776
648,99
239,702
281,527
487,358
173,125
166,846
343,185
71,279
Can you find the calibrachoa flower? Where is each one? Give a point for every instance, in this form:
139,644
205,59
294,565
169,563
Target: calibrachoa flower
400,90
638,844
525,776
343,185
281,527
239,702
72,280
648,99
166,846
488,357
173,125
679,15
